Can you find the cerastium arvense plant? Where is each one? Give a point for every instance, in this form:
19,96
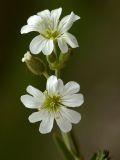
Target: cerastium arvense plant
53,104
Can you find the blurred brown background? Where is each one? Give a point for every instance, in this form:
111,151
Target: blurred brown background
95,65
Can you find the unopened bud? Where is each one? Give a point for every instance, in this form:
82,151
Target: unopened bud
34,64
63,59
51,58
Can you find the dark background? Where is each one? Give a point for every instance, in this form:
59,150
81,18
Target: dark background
95,65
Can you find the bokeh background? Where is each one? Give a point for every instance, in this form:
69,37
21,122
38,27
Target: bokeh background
95,65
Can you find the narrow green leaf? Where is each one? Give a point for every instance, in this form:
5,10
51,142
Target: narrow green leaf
101,155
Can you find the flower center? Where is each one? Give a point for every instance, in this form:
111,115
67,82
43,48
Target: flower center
51,34
52,103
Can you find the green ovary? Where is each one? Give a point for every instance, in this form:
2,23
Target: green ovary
52,103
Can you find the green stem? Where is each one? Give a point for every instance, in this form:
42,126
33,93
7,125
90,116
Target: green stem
76,147
65,137
68,141
56,49
57,73
46,75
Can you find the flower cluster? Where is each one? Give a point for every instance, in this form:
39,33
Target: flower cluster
52,104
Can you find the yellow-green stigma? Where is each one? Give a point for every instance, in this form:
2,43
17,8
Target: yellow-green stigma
51,34
52,103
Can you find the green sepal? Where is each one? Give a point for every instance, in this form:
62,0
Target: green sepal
51,58
63,59
54,66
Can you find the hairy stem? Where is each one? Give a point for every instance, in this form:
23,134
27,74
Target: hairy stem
65,137
46,75
57,73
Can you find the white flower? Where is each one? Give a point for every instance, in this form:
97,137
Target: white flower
53,104
51,29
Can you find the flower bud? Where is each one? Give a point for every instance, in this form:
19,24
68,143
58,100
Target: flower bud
51,58
34,64
63,59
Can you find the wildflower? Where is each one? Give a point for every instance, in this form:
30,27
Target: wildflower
53,104
51,30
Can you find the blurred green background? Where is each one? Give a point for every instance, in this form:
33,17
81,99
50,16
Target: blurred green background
95,65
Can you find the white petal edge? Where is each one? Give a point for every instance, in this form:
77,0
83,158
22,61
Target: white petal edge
62,45
64,125
48,47
51,85
60,86
37,44
71,40
29,101
28,28
47,124
67,22
34,91
72,116
55,15
44,14
34,20
38,116
71,88
74,100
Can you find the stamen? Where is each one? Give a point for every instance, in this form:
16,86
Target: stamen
51,34
52,103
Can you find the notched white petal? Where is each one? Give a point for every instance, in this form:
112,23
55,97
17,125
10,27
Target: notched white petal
29,101
28,28
51,84
55,15
74,100
64,124
47,124
35,117
62,45
72,116
34,91
33,20
60,86
71,88
71,40
48,47
44,14
66,22
37,44
38,116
